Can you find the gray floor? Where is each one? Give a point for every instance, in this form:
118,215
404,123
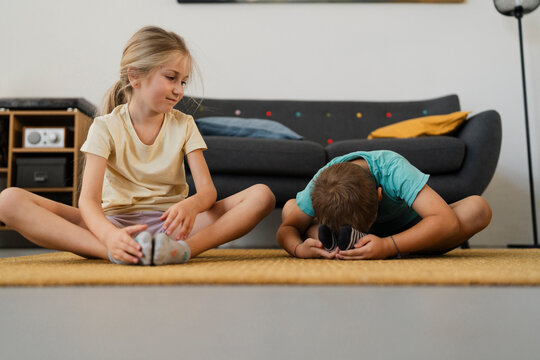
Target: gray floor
268,322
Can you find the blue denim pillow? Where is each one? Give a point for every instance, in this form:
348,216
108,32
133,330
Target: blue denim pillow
242,127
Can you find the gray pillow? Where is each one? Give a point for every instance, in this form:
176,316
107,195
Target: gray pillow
242,127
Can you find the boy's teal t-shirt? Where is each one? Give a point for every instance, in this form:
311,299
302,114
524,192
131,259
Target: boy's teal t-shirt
400,182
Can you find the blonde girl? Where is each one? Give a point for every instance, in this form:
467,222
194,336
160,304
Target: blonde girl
133,207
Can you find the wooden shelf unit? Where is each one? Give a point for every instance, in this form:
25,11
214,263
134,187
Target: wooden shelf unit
76,124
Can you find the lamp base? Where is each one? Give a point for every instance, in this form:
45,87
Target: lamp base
523,246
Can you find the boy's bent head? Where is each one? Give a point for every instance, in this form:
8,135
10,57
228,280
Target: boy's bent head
345,194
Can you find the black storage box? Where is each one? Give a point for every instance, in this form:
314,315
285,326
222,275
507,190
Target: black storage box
41,172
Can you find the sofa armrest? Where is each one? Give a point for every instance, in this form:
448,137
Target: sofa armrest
482,135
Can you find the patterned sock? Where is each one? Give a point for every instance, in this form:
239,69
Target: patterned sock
327,238
144,238
146,241
348,236
167,251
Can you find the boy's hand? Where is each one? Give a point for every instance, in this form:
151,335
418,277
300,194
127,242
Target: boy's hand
370,247
180,214
312,248
121,245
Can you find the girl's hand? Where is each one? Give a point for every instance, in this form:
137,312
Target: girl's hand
180,214
370,247
312,248
122,246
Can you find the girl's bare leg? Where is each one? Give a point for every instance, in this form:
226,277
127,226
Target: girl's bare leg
48,224
230,218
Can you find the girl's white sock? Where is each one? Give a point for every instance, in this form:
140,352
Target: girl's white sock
144,238
167,251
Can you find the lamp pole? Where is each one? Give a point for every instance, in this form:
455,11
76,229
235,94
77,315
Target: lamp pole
519,14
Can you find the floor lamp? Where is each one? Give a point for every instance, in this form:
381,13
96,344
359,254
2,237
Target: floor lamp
518,8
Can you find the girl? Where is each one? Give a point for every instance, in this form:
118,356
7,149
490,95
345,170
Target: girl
134,180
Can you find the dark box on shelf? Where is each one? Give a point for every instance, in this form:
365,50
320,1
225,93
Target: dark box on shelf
41,172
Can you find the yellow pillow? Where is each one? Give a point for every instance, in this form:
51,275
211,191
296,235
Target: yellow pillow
426,125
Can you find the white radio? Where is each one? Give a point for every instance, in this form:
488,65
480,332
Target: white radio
44,137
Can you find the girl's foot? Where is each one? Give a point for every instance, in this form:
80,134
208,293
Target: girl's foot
144,238
167,251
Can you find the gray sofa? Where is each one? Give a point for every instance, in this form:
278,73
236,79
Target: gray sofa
460,164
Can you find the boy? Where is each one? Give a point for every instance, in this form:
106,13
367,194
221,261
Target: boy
382,194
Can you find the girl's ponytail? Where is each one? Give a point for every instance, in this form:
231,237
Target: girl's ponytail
116,95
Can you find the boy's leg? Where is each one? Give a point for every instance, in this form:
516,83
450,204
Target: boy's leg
230,218
48,224
474,214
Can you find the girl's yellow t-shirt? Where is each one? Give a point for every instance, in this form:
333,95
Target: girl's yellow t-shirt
140,177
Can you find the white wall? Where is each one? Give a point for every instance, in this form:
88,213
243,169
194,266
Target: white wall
383,51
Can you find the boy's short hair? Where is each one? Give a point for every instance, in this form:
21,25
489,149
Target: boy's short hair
345,194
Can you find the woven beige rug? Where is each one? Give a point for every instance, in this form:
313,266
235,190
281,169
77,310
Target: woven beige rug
235,266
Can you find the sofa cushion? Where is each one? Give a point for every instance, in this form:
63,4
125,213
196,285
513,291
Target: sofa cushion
247,156
422,126
431,155
283,187
235,126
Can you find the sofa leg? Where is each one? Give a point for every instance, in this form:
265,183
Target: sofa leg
465,245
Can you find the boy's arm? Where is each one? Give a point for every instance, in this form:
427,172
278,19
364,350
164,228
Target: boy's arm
438,223
289,234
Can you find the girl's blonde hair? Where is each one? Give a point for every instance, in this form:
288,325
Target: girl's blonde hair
147,49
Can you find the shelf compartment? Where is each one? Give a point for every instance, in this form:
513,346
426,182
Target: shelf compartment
4,140
50,189
55,165
42,150
42,119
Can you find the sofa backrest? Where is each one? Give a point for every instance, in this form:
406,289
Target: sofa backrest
323,121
